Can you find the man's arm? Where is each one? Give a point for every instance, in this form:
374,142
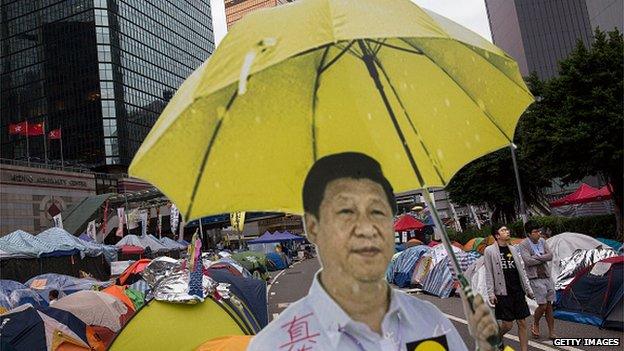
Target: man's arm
528,259
548,255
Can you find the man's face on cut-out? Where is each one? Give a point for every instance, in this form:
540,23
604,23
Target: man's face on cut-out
354,233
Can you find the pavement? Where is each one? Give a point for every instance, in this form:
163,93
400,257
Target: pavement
289,285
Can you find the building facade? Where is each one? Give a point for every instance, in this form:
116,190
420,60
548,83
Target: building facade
540,33
101,70
236,9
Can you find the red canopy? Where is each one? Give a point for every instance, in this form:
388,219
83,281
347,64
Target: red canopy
407,222
584,194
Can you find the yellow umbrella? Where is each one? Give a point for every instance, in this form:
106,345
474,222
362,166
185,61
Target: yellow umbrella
309,93
417,92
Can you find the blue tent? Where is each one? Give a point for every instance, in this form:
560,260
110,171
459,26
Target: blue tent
403,267
615,245
13,294
65,284
595,296
277,260
275,238
251,291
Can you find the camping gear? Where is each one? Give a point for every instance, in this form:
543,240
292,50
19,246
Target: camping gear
276,237
65,284
26,328
136,296
133,272
254,262
14,294
99,337
419,93
225,266
172,244
563,245
96,308
580,259
172,326
614,244
22,244
406,223
226,343
404,265
595,296
251,291
131,250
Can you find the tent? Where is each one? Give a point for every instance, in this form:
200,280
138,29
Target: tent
275,238
133,272
570,266
407,223
404,265
172,244
22,244
251,291
232,262
441,279
226,267
25,328
142,242
277,260
226,343
595,296
583,194
14,294
119,293
61,240
563,245
170,326
96,308
65,284
153,243
254,262
68,319
614,244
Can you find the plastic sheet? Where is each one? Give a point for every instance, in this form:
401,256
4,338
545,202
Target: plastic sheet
580,259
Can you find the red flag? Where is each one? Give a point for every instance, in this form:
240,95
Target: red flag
35,129
55,134
18,128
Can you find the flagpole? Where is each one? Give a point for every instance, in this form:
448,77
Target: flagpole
27,146
61,141
45,143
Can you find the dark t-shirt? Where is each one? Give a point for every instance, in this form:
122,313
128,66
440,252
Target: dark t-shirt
512,278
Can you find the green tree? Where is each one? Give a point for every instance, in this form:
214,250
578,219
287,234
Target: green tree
576,128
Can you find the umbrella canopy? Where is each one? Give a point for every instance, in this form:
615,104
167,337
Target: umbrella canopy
25,328
95,308
414,90
407,222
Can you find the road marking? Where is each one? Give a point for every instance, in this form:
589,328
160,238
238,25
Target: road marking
532,343
273,280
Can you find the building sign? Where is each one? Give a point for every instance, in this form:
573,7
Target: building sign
46,178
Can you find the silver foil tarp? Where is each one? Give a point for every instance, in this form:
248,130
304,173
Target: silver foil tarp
169,280
580,259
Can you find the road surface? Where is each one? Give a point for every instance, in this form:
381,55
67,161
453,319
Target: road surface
289,285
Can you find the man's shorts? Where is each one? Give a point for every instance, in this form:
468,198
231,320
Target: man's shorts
543,289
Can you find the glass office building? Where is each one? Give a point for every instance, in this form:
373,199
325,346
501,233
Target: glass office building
101,70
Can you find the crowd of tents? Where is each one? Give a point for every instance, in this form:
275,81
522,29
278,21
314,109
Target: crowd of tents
587,273
119,313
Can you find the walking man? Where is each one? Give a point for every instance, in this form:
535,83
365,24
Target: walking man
507,285
536,255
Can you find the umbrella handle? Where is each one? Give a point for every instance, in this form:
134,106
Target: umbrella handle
467,292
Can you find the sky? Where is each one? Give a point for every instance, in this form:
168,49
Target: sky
469,13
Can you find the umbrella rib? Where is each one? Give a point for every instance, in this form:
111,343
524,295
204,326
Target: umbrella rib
434,162
384,43
487,114
372,70
207,153
332,61
314,102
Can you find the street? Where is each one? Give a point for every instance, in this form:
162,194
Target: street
289,285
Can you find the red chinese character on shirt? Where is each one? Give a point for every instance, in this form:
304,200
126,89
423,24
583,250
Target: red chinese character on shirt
299,334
